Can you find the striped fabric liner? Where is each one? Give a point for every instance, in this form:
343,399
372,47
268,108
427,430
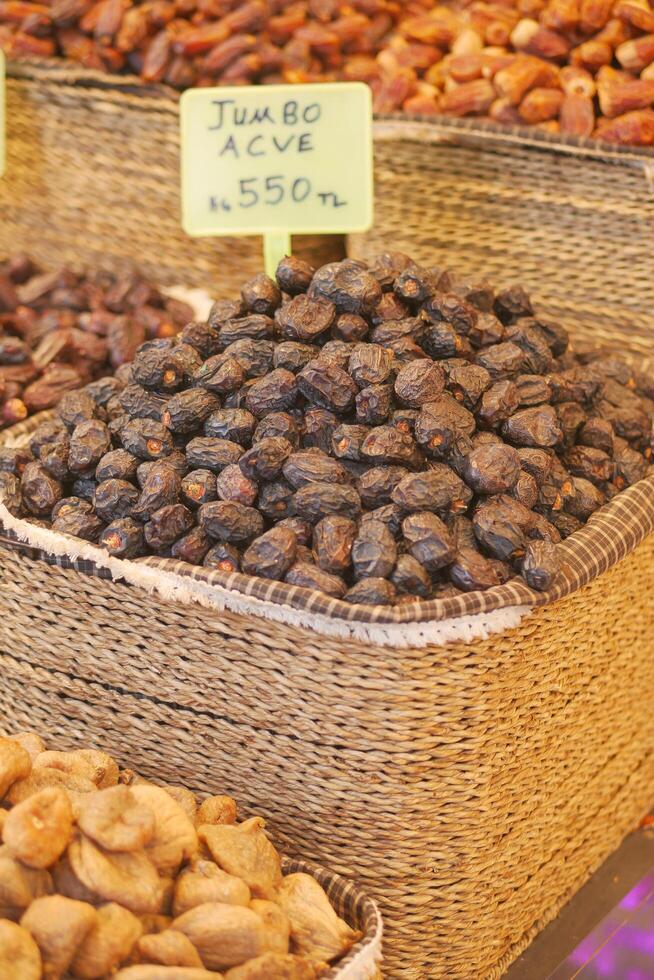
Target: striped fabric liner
609,536
358,910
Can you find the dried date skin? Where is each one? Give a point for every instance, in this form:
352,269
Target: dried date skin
304,318
123,538
117,464
326,385
372,591
410,577
376,485
428,540
272,554
319,426
347,440
537,427
264,461
369,364
502,361
294,275
146,439
192,547
293,356
137,402
500,526
350,288
40,490
223,557
591,464
492,469
541,565
162,485
207,452
220,374
438,490
114,499
313,466
472,571
311,577
230,484
373,405
229,521
333,538
498,403
88,444
439,422
314,501
186,411
167,525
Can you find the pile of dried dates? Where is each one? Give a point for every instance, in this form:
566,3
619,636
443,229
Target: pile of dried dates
59,330
101,871
382,434
582,67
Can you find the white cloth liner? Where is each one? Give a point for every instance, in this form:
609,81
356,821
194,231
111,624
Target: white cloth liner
365,964
179,589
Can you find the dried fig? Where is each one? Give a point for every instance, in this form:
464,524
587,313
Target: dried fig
276,923
59,925
175,839
185,798
67,883
216,809
31,742
224,935
205,882
169,948
98,767
108,944
274,966
40,779
19,885
20,958
245,851
316,930
15,764
38,830
115,820
127,878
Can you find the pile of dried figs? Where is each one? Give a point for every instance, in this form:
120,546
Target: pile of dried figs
61,329
101,871
382,434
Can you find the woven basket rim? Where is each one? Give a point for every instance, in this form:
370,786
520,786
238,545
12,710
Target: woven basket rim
611,534
387,126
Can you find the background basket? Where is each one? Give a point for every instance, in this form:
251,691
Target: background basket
470,787
570,219
93,175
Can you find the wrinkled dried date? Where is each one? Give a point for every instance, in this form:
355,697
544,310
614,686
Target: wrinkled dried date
424,448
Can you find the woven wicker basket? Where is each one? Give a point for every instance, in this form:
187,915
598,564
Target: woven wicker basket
571,219
93,174
472,786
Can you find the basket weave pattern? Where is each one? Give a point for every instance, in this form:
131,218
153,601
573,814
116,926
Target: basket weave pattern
93,176
470,788
572,223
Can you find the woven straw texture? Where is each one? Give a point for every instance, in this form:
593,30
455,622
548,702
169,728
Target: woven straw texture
471,788
571,221
93,175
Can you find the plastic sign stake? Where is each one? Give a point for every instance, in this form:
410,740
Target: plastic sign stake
276,160
2,113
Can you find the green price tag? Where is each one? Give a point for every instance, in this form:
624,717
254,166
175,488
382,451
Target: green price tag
2,113
276,160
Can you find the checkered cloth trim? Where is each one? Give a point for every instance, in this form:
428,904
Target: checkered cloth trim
609,536
351,904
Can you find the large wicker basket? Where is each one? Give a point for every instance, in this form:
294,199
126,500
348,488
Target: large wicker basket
93,175
571,219
470,785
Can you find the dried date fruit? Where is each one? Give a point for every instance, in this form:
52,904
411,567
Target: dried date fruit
114,499
541,565
373,405
230,521
327,386
428,540
88,444
440,422
437,489
276,392
167,525
501,524
265,460
371,591
117,464
146,439
186,411
223,557
272,554
233,424
40,490
211,453
304,318
123,538
373,551
192,547
538,427
492,469
162,485
591,464
410,577
314,501
471,571
377,483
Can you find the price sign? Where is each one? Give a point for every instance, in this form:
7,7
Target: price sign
276,160
2,113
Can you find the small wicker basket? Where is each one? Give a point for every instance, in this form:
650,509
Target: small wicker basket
93,175
470,785
570,219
